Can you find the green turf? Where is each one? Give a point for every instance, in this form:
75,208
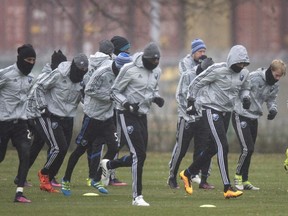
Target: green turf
266,172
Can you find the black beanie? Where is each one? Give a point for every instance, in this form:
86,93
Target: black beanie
57,58
26,51
121,44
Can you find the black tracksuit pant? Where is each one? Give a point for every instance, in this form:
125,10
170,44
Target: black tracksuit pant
246,130
16,131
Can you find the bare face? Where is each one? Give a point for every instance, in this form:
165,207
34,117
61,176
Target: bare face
277,74
198,54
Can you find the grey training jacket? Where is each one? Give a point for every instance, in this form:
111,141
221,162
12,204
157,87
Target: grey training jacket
136,84
181,94
57,92
95,61
186,64
14,90
97,102
219,85
260,92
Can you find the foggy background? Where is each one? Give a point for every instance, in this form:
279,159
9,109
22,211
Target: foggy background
77,26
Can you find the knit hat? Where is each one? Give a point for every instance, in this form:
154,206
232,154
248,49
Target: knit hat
122,59
121,44
151,51
106,46
57,58
197,44
26,51
81,61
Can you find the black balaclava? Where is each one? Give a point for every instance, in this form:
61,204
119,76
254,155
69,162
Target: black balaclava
79,67
269,77
25,51
148,65
151,51
57,58
76,75
236,68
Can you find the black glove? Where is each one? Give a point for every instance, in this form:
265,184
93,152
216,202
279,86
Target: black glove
45,112
205,63
272,114
159,101
133,108
246,102
191,109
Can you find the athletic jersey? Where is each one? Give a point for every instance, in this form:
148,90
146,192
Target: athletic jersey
57,92
220,85
14,90
136,84
97,102
260,92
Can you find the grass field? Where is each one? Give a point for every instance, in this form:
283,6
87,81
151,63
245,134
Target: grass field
266,172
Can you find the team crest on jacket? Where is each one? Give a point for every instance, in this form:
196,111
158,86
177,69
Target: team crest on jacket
156,76
215,117
243,124
241,77
30,79
130,129
54,125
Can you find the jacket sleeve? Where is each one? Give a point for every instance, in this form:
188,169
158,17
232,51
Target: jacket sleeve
271,100
120,83
205,78
246,86
182,90
42,86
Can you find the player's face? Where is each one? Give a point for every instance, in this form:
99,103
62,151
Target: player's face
277,74
198,54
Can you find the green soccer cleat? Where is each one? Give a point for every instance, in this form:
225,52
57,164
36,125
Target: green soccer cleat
238,182
286,161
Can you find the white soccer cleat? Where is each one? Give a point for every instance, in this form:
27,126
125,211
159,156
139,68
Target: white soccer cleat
196,179
105,172
139,201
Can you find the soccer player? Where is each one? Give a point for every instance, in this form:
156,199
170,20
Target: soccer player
15,83
134,90
264,88
216,89
57,96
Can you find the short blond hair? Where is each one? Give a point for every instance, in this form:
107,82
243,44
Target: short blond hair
278,64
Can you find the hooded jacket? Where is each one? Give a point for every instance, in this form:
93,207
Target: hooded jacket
95,61
181,94
136,84
260,92
14,90
97,102
57,92
220,85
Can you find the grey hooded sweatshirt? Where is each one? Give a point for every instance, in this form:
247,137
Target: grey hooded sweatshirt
220,85
260,92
